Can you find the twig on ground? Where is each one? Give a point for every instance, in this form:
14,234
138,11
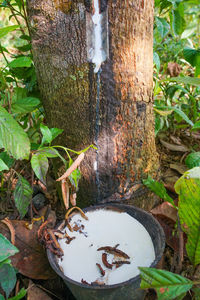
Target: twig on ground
7,222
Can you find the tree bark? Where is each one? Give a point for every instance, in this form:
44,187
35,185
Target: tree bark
68,86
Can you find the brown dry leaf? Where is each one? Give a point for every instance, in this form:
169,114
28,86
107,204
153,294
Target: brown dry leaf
65,193
173,69
31,261
73,167
175,140
196,135
73,199
197,273
35,292
180,168
170,176
171,238
167,210
173,147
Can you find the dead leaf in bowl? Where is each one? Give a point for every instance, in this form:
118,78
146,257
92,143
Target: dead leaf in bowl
31,261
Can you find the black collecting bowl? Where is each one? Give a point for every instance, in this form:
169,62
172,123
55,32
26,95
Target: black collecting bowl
126,290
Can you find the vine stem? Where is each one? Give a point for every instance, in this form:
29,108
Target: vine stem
26,20
67,149
2,52
14,15
31,202
181,246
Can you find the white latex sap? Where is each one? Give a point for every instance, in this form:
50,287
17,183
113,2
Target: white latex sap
96,18
106,228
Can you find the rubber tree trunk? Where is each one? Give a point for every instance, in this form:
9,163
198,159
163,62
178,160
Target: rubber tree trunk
68,86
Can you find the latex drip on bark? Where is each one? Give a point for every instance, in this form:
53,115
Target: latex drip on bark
97,53
102,5
97,32
97,129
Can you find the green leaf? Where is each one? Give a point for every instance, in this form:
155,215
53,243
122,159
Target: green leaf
9,79
183,115
185,80
193,57
12,137
7,278
178,22
75,177
25,37
25,105
180,297
3,166
19,93
164,4
48,152
157,3
158,188
167,285
188,189
197,293
165,26
47,135
19,4
60,156
2,297
6,261
20,295
193,160
159,26
163,113
188,32
6,248
196,126
25,48
5,30
51,153
190,55
7,159
159,123
156,60
21,62
40,165
55,132
22,195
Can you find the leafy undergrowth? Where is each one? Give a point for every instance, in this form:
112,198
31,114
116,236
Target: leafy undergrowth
179,216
